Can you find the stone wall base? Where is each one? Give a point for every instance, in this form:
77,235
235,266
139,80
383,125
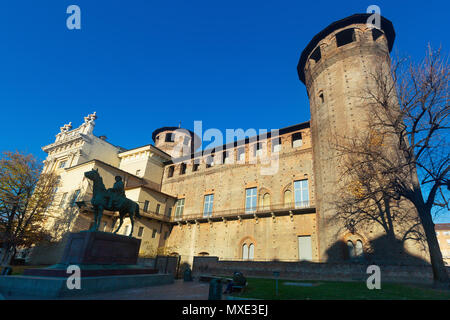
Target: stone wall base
27,287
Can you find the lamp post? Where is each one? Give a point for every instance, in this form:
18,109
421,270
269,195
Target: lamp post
276,275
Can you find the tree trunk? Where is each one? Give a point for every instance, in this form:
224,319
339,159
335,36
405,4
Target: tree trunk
6,255
440,275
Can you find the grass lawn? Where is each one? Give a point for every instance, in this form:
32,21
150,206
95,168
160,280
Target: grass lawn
328,290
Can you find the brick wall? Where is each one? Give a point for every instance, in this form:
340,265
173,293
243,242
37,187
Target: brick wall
311,270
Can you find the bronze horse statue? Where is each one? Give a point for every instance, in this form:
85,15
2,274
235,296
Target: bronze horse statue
100,201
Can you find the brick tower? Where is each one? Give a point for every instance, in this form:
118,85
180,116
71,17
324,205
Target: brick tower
176,141
335,67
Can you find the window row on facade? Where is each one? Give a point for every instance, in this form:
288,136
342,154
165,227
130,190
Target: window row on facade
238,155
342,38
298,198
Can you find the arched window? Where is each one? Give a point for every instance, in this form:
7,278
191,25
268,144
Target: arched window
248,251
244,252
350,249
287,198
321,97
265,201
359,248
251,251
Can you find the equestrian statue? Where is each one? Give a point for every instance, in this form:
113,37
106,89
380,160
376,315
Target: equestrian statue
112,199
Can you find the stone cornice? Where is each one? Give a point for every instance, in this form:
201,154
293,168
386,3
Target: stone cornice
223,167
71,139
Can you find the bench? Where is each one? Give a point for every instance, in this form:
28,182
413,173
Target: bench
240,288
237,288
207,278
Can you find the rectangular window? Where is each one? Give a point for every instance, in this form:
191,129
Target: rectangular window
208,205
301,194
226,157
158,207
297,140
258,149
241,154
316,55
74,197
170,137
209,161
154,233
141,231
63,200
169,213
62,164
250,200
195,167
146,203
170,172
179,207
276,145
183,168
344,37
376,34
304,248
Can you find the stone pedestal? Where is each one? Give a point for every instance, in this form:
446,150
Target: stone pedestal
97,254
101,248
107,262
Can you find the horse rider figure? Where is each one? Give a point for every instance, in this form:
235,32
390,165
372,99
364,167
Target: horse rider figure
116,193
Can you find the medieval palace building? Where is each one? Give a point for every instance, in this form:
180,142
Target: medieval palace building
221,202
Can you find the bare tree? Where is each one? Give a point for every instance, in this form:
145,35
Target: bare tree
25,198
404,153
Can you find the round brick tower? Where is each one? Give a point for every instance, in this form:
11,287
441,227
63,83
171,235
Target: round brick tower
335,67
175,141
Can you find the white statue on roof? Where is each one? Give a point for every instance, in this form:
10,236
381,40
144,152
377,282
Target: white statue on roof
66,127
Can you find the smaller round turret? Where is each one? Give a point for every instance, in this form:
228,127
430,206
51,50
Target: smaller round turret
176,141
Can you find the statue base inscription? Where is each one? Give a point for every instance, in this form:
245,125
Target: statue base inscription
100,248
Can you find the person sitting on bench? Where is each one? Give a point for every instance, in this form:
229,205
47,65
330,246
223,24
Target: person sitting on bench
239,281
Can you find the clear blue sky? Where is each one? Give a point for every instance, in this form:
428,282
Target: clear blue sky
147,64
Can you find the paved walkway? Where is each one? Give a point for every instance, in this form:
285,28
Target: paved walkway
179,290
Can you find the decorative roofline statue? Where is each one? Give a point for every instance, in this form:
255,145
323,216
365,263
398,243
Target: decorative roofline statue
66,127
